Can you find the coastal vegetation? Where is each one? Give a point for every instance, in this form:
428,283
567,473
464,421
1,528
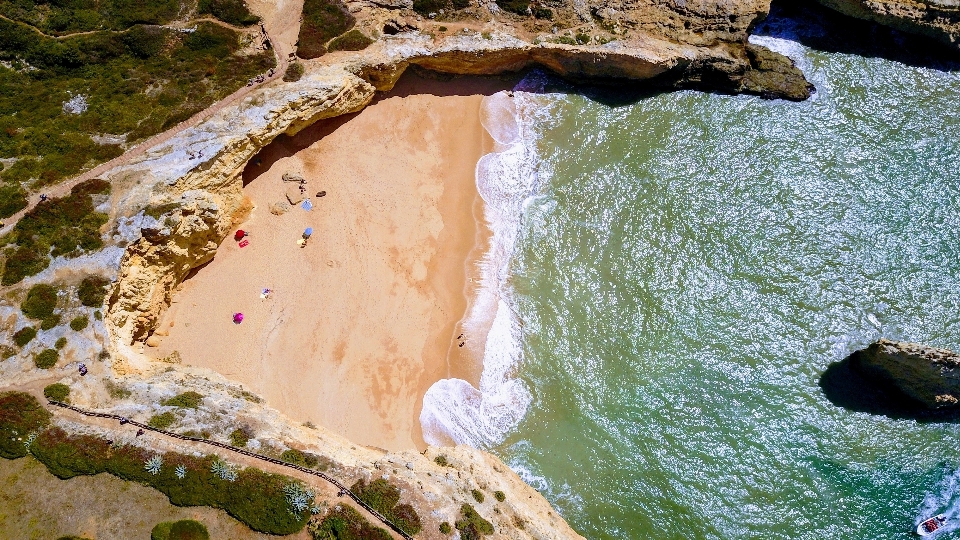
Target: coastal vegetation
499,496
92,291
162,420
471,525
240,436
477,495
66,226
24,335
82,80
40,302
323,20
186,400
294,72
46,358
57,392
79,323
254,497
354,40
60,343
344,523
384,497
185,529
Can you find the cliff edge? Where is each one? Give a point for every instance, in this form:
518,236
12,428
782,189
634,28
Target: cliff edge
928,375
937,19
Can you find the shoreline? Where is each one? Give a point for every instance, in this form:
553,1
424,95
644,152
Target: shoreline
365,318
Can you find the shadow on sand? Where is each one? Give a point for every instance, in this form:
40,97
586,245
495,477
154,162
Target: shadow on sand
826,30
845,385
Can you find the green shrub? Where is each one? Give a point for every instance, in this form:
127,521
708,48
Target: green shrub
57,392
6,351
445,528
542,13
344,523
514,6
354,40
92,291
162,420
441,460
66,226
186,529
240,437
229,11
477,495
471,524
97,315
40,302
294,72
20,415
60,344
47,358
161,531
186,400
24,335
323,20
79,323
384,498
255,498
499,496
50,322
12,200
426,7
294,456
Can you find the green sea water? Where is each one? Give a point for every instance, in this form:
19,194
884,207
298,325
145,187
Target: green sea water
688,266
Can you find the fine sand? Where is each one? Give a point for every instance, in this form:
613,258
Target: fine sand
367,316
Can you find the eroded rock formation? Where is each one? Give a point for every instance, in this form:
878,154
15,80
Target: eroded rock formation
938,19
929,375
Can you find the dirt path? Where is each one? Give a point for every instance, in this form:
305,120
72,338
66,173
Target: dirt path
63,188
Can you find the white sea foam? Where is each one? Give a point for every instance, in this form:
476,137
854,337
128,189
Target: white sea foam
453,410
943,499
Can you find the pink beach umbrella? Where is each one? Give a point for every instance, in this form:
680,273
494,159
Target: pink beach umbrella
237,318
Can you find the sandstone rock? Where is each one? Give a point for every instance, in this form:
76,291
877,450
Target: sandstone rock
938,19
153,341
294,195
291,177
929,375
279,208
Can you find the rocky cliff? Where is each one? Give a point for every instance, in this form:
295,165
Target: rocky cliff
929,375
938,19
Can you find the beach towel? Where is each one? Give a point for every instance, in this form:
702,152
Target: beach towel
245,243
307,205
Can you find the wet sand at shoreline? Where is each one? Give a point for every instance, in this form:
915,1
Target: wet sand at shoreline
366,317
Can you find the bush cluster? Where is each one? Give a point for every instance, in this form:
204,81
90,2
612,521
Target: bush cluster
499,496
255,498
240,437
426,7
60,344
445,528
294,72
441,460
20,415
92,291
344,523
186,400
24,335
323,20
471,525
79,323
229,11
354,40
477,495
40,302
66,226
162,420
57,392
520,7
47,358
185,529
384,497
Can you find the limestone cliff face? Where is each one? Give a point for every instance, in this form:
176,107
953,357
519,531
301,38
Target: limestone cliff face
938,19
926,374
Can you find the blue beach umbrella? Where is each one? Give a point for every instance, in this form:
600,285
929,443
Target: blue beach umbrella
307,232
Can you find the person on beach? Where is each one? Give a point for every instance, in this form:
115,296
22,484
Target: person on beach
240,235
237,318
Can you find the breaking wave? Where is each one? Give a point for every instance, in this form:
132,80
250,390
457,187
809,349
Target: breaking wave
453,410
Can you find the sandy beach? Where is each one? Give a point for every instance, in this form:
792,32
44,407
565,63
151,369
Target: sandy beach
365,317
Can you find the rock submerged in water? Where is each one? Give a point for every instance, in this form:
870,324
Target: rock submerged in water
928,375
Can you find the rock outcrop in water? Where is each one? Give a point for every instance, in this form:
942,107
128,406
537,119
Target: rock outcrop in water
928,375
938,19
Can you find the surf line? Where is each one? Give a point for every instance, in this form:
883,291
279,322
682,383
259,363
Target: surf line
454,411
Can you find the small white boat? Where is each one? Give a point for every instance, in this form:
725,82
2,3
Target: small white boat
932,525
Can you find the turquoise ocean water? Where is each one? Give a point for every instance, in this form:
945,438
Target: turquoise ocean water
685,269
